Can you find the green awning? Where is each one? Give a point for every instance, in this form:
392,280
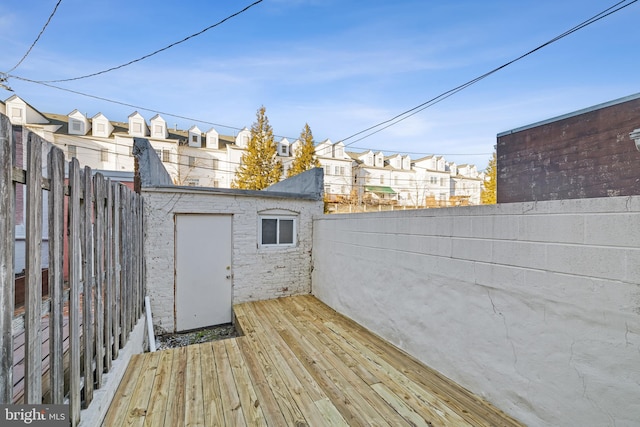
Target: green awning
379,189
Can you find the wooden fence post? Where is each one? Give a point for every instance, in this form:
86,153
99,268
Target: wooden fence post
87,286
56,259
98,183
75,261
108,261
33,266
117,270
7,278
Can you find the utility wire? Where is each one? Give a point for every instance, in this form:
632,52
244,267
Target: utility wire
37,38
191,119
408,113
157,51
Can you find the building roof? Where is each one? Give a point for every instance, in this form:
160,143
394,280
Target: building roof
573,114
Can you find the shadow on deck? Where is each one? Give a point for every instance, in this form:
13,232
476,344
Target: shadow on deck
298,363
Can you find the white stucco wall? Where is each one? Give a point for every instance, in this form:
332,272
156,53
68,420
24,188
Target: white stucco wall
258,273
535,307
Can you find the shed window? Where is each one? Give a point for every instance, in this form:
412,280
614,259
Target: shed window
277,231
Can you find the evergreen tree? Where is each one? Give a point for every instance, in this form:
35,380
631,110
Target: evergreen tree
260,166
305,158
489,193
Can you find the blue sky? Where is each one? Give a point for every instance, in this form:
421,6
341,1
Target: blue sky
339,65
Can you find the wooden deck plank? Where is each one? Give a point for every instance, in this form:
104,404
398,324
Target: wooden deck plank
213,415
232,409
194,397
296,391
299,363
139,403
175,399
433,409
246,392
160,392
118,409
371,403
267,400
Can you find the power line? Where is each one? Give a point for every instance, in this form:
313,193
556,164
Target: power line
37,38
156,51
408,113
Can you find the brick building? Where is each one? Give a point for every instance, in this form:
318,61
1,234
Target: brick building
584,154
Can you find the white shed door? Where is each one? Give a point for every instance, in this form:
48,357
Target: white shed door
203,271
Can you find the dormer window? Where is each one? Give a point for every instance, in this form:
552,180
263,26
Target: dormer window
212,139
76,125
157,130
137,127
16,113
194,137
100,127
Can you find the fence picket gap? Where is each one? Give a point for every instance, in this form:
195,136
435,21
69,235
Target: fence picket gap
56,275
33,267
7,278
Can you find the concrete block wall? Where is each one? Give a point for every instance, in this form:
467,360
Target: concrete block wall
533,306
258,273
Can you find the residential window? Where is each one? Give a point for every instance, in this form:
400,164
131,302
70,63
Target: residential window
381,179
277,231
16,113
339,153
327,170
214,163
341,170
137,127
216,183
158,152
194,138
192,182
192,161
158,129
395,180
442,182
72,151
101,127
104,155
370,160
76,125
433,180
336,170
166,156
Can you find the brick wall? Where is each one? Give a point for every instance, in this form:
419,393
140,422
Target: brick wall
258,273
585,154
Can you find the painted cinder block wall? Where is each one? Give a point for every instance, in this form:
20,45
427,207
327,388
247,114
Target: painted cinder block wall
583,154
533,306
258,274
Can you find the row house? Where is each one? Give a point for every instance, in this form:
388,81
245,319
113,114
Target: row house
466,184
381,180
194,157
337,165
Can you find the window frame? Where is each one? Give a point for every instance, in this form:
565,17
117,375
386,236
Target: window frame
278,218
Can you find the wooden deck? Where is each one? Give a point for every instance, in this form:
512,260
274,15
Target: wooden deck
298,363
